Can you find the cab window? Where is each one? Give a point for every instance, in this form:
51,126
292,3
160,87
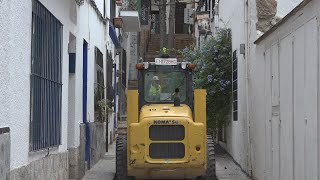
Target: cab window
162,87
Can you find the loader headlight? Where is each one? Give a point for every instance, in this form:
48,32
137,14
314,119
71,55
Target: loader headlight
146,65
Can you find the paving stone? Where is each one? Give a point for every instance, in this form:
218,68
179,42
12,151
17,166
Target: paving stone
105,168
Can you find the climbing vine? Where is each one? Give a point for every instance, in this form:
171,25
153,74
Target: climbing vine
214,73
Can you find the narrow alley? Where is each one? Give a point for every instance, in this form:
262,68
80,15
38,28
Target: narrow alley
226,168
160,89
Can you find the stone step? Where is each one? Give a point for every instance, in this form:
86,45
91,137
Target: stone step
181,41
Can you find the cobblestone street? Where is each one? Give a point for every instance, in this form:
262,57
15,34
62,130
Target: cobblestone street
226,168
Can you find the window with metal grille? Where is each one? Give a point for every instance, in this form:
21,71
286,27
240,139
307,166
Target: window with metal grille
110,90
112,10
99,86
235,85
99,75
46,84
124,68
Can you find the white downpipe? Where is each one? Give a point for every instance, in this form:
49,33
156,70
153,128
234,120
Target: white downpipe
247,55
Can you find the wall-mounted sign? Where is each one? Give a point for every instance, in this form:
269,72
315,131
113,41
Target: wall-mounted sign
188,16
144,12
203,20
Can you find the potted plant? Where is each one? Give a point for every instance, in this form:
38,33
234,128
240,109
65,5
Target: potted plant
119,2
164,53
101,106
117,22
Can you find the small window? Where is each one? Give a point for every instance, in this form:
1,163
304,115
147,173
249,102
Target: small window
99,84
235,85
110,90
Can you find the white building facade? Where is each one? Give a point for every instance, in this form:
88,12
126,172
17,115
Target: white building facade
276,134
268,137
233,14
285,127
52,51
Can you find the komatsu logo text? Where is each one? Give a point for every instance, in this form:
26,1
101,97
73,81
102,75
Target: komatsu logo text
161,122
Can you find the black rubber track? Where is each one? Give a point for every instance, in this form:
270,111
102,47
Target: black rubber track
121,158
211,161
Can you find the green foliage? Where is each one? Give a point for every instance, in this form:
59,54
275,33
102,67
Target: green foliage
214,73
101,106
166,52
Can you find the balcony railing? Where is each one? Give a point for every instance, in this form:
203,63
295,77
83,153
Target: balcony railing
130,5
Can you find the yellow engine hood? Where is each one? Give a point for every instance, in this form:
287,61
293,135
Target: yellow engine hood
163,110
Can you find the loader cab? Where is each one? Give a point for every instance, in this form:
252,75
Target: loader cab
165,84
166,126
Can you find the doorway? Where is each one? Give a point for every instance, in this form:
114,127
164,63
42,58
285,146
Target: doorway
179,18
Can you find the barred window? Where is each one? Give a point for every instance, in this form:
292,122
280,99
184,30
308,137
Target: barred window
235,85
100,87
99,92
124,68
110,90
46,82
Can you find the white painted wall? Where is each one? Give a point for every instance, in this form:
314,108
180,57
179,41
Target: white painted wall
100,5
91,30
252,33
285,107
15,32
15,75
232,15
19,85
5,27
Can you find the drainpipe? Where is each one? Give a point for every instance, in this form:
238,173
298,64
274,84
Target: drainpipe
84,105
87,143
247,53
115,95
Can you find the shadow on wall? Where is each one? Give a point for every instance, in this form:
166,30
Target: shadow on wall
98,142
4,153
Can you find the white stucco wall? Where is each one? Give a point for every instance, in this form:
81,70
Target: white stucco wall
15,68
252,34
15,33
96,34
100,5
232,15
18,95
5,26
286,125
92,30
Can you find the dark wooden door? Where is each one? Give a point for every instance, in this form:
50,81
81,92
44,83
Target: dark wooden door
179,18
155,24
